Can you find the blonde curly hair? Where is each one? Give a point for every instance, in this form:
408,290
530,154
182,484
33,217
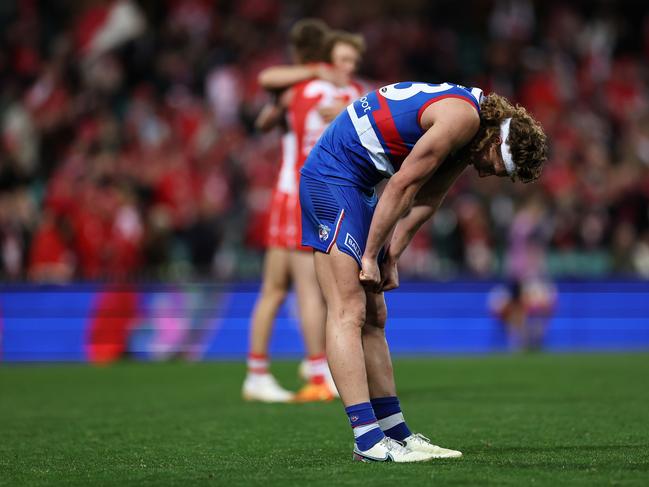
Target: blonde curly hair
526,139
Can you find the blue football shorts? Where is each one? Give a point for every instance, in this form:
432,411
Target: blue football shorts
336,215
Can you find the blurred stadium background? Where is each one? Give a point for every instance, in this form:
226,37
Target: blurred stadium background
134,189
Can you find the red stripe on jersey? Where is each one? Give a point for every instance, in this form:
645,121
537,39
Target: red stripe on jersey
387,128
333,240
433,100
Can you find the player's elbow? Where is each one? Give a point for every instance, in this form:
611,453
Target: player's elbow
404,189
409,183
420,169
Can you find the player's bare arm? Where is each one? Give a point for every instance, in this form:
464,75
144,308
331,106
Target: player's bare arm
272,114
285,76
269,117
427,201
452,124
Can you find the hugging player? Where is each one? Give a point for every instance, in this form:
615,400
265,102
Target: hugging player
312,93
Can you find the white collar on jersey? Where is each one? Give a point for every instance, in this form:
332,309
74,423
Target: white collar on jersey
505,150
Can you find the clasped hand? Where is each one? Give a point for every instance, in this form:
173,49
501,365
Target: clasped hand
378,278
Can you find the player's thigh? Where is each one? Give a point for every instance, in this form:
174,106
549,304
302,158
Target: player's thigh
276,276
338,278
377,311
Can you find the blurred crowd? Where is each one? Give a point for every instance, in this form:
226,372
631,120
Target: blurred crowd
128,148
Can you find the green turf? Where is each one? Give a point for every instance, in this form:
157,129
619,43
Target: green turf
521,420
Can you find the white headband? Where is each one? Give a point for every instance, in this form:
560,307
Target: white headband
504,147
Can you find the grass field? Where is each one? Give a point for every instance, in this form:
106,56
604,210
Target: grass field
523,420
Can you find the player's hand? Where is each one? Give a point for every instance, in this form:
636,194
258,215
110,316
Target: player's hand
370,275
389,275
326,73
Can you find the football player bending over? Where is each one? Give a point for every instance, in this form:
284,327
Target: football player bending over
421,136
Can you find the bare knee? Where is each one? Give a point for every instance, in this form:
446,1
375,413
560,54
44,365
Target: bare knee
274,293
351,314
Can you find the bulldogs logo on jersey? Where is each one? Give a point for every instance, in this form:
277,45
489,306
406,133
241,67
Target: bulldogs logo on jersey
323,232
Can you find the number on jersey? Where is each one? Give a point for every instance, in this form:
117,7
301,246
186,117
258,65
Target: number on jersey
392,92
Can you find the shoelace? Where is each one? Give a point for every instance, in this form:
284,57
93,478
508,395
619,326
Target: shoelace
393,445
421,437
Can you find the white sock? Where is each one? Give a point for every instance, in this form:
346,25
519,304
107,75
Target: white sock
257,364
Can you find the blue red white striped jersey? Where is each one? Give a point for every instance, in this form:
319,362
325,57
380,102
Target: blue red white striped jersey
369,141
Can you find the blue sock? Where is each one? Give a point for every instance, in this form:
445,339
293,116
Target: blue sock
390,418
367,432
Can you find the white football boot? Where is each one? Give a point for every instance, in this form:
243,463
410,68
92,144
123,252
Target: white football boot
389,450
264,388
303,373
418,442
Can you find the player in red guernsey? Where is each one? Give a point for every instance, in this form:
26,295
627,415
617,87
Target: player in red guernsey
315,94
310,105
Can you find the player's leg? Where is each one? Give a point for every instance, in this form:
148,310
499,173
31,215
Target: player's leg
274,288
380,374
346,301
345,297
312,321
337,274
378,363
260,384
380,379
324,207
310,300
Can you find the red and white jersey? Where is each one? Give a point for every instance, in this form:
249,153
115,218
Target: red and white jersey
303,113
286,178
305,125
